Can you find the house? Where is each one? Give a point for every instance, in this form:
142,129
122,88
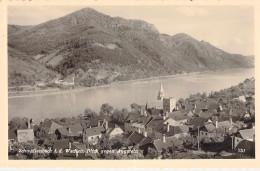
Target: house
178,117
168,131
69,81
241,98
49,126
115,131
245,134
62,132
93,135
25,133
224,125
196,123
157,122
140,142
206,131
136,122
74,131
159,145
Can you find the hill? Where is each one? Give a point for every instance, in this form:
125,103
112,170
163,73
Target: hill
99,49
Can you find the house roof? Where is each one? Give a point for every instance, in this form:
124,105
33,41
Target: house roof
135,137
210,127
11,134
23,126
61,144
153,111
94,131
247,133
139,139
178,115
75,130
133,116
155,122
198,122
63,130
226,124
159,144
50,125
112,128
83,147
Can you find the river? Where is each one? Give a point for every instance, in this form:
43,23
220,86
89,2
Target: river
122,94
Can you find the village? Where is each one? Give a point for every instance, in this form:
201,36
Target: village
201,126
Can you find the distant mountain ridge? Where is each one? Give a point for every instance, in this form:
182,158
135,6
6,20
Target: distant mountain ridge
99,49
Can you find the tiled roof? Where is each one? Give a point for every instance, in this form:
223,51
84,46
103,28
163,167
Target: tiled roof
75,130
155,111
94,131
247,133
137,138
177,115
197,122
210,127
225,124
61,144
155,122
63,130
159,144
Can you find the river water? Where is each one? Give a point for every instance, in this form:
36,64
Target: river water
122,94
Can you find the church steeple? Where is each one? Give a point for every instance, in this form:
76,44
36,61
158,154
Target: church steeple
160,93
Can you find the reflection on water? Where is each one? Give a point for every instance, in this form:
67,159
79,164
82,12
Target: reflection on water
121,95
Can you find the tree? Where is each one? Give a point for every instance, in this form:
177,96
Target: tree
88,113
135,107
106,109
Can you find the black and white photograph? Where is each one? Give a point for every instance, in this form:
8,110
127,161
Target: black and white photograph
131,82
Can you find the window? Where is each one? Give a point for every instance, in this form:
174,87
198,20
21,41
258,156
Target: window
92,138
206,134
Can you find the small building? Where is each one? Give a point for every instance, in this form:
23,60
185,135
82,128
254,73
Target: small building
50,126
245,134
115,131
25,135
169,104
93,135
159,145
207,131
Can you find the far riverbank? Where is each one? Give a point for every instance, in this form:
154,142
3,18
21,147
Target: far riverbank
53,91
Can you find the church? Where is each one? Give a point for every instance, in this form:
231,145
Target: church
167,104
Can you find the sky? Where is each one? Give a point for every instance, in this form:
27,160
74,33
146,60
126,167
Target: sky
230,28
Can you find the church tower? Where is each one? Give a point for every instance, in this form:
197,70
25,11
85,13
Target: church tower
160,93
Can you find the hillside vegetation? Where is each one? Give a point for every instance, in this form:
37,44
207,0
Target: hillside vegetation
99,49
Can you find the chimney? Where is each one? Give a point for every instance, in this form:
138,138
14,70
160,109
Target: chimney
216,124
166,114
163,138
142,112
145,113
168,127
231,121
29,124
145,133
106,125
139,130
164,117
69,145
